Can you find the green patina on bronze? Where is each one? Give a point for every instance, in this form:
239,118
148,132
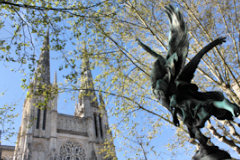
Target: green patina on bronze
171,83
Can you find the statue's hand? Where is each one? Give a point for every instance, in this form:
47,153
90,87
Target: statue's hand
221,40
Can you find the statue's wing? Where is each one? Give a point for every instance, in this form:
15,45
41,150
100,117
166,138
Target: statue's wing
178,40
187,73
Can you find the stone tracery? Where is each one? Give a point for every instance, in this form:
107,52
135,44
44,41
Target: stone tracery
72,151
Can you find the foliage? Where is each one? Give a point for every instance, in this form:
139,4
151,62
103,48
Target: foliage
108,30
7,118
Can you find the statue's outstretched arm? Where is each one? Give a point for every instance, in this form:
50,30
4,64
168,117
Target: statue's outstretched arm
188,71
149,50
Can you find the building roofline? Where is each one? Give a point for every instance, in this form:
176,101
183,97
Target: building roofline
7,147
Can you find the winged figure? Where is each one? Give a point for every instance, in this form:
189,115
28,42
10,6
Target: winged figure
172,81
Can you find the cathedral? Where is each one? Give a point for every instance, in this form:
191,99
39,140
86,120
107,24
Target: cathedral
45,134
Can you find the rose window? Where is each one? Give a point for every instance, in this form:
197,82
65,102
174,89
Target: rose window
72,151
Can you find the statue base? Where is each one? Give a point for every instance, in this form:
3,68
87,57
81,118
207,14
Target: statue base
211,153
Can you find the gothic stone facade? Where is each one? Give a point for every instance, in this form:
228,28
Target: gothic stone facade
45,134
64,137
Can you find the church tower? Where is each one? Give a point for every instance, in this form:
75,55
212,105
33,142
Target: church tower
38,110
45,134
92,108
87,97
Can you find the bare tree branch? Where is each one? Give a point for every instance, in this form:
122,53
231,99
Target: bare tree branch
49,8
223,138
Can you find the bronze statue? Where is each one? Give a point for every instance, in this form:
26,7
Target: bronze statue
171,83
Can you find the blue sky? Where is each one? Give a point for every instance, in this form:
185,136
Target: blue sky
10,84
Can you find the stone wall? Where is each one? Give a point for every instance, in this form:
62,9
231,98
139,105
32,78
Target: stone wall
7,152
71,125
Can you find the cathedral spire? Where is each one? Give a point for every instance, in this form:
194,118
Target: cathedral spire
42,74
86,73
87,96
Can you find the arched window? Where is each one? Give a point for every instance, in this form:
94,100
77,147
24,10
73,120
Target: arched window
72,151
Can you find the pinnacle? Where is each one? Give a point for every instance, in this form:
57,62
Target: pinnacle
43,70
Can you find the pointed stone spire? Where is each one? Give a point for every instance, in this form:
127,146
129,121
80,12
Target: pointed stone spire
42,74
87,96
86,75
